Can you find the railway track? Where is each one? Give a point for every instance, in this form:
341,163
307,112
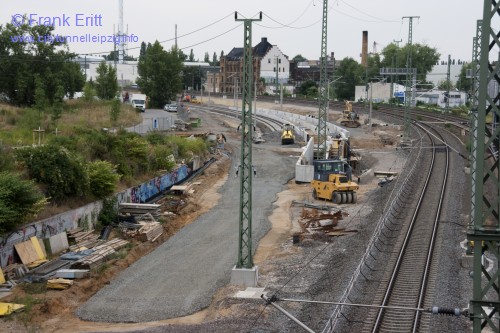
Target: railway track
266,123
397,273
409,284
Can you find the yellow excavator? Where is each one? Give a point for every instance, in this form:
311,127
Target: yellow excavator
287,136
332,181
350,118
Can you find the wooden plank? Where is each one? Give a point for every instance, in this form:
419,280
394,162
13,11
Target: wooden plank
42,246
38,248
2,277
384,173
26,252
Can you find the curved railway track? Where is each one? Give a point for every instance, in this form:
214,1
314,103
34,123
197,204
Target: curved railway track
409,283
266,122
402,248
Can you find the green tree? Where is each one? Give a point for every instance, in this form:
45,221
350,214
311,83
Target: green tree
464,83
207,57
113,56
305,87
89,92
103,178
215,62
299,57
191,56
445,85
142,51
106,84
115,110
423,59
160,74
353,74
22,60
41,102
61,172
20,200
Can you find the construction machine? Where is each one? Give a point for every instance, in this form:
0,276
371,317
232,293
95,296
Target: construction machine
287,136
350,118
332,181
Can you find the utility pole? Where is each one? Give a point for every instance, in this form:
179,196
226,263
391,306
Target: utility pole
244,271
394,65
176,35
448,83
484,227
409,95
323,89
276,93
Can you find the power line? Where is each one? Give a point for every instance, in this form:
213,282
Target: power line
364,13
285,25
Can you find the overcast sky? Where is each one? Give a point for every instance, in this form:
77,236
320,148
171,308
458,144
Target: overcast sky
293,25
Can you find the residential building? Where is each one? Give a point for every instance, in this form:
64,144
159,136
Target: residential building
309,70
269,64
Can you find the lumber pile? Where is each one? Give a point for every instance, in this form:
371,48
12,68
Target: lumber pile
150,231
139,210
82,239
143,231
101,254
59,284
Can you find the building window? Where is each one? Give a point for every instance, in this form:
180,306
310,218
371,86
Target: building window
274,69
268,60
279,69
279,60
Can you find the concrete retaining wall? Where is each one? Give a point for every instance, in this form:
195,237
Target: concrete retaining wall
86,216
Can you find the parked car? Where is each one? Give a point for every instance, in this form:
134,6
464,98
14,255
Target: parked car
194,100
170,107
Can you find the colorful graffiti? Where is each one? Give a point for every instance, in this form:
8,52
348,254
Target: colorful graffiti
86,216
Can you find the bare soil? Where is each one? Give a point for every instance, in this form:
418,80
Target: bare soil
54,311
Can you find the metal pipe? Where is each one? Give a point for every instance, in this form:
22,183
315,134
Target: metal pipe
279,308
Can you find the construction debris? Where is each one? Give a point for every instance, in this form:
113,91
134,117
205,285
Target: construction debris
59,284
8,308
83,240
101,254
72,273
317,222
150,231
30,252
139,210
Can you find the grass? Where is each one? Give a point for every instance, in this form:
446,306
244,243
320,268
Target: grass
17,124
25,316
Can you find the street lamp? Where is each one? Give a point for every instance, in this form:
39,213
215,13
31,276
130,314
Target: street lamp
328,91
234,85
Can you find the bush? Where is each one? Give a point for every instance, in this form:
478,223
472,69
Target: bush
102,178
62,172
109,212
19,200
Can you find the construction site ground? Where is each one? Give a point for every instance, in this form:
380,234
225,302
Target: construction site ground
279,256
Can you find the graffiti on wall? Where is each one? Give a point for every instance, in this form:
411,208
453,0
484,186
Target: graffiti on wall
87,215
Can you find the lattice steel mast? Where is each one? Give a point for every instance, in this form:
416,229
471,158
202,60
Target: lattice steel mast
409,95
323,88
484,228
245,169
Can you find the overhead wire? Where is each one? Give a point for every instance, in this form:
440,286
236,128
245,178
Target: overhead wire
369,15
180,36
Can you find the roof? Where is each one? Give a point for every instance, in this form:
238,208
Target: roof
259,50
235,54
262,48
